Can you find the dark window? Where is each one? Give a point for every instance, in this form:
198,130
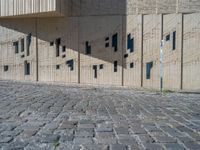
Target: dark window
132,65
101,66
16,45
22,45
63,56
58,42
115,42
130,43
64,49
70,64
125,55
174,41
168,37
87,48
22,56
115,66
149,66
107,42
95,71
26,68
28,44
107,45
5,68
51,43
57,67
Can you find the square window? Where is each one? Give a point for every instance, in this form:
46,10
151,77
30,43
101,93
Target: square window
51,43
125,55
57,67
168,37
107,45
101,66
5,68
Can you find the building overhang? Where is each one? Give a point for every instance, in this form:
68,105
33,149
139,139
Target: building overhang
30,8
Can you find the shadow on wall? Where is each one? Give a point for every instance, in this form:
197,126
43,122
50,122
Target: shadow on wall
96,36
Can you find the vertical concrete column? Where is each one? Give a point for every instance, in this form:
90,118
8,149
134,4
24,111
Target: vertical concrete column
37,61
182,34
123,40
161,53
142,48
79,61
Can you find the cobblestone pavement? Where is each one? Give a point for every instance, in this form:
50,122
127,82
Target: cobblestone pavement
55,117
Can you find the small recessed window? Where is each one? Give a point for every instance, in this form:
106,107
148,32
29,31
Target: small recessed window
168,37
51,43
58,42
5,68
115,66
22,56
64,49
101,66
22,45
16,45
132,65
115,42
107,45
63,56
57,67
70,64
95,71
27,68
28,43
130,43
87,48
149,66
125,55
107,42
174,41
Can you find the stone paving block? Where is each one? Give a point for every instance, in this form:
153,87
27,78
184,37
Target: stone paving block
4,139
126,139
192,145
68,125
160,137
185,139
122,130
174,146
153,146
145,138
79,141
118,147
138,130
84,133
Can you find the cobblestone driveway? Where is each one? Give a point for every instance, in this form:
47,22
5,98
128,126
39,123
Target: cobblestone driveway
52,117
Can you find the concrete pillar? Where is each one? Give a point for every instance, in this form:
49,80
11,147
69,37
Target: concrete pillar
142,48
182,30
